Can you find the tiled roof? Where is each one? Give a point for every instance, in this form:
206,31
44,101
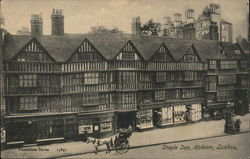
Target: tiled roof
110,44
230,49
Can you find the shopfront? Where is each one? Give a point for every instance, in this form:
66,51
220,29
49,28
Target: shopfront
33,129
166,116
144,119
196,112
180,113
97,125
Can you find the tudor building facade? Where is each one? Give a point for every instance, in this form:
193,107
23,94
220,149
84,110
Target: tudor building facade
56,87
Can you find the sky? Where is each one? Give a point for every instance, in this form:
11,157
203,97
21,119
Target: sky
81,15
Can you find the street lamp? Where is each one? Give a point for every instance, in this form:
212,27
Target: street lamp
229,126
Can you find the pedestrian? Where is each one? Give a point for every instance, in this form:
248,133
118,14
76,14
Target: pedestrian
237,125
85,136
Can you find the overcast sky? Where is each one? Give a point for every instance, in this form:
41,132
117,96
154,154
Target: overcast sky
80,15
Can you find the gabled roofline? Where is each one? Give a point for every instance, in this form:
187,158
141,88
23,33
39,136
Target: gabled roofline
33,38
124,46
87,40
163,43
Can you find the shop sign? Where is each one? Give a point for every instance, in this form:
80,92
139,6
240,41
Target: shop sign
3,135
83,128
105,127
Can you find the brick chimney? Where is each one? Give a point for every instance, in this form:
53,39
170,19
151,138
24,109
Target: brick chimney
36,24
136,26
57,22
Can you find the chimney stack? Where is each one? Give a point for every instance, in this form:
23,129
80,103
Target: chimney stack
36,24
136,26
57,22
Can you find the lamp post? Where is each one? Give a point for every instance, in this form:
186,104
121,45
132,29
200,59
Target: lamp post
229,126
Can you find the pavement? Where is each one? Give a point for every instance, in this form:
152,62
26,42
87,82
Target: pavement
191,131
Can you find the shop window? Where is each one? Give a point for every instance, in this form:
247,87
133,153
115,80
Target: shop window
28,103
28,80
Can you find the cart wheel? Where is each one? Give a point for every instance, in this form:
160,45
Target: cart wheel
121,147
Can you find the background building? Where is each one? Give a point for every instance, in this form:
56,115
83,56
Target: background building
208,26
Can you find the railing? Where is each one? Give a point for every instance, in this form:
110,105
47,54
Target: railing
85,88
84,66
127,65
175,66
124,106
31,67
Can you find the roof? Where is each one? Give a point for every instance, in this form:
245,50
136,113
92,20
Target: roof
245,47
223,21
109,45
230,49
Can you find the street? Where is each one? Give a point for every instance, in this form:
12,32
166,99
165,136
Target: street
189,132
226,147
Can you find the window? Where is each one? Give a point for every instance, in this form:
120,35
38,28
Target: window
95,98
211,83
211,98
227,79
228,64
188,93
95,78
212,64
28,103
237,52
128,53
127,77
160,76
160,95
28,80
188,76
125,98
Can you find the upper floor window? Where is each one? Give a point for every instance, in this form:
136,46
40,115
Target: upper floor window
237,52
212,64
28,103
33,52
162,54
86,52
128,53
160,95
191,56
28,80
95,78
